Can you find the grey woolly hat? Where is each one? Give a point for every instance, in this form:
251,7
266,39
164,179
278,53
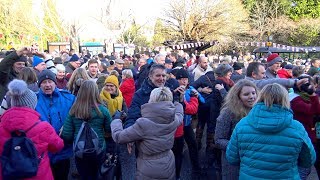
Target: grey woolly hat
223,69
46,74
21,96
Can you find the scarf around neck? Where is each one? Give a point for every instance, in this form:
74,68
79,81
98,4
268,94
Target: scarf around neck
304,95
229,82
113,104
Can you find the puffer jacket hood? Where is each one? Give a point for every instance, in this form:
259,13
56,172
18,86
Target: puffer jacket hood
159,112
269,120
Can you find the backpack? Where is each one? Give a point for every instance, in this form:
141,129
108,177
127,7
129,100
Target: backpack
19,158
86,144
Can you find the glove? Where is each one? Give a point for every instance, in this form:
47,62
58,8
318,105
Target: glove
117,115
123,116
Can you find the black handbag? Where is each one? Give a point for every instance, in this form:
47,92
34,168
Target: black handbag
108,168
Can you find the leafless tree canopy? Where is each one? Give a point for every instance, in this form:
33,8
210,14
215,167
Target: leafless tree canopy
204,19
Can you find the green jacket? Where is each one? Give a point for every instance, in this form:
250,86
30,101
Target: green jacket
101,125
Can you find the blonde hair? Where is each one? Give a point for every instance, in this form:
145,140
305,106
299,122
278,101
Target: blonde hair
274,94
127,73
79,73
88,97
233,101
161,94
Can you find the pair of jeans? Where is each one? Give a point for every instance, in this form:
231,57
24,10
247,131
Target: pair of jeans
190,139
60,169
127,162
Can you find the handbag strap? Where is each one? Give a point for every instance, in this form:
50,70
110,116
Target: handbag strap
209,80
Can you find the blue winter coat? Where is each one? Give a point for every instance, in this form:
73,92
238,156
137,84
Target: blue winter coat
55,110
140,97
270,144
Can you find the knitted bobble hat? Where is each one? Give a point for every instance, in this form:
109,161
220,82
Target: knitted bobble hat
21,96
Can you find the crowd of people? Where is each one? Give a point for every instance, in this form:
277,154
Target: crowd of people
261,116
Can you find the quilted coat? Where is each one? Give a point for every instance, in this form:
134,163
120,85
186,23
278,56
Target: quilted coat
42,135
270,144
154,137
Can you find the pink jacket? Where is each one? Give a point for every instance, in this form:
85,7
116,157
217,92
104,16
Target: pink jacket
42,135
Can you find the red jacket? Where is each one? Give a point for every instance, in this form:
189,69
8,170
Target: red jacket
282,73
191,108
42,135
304,111
127,88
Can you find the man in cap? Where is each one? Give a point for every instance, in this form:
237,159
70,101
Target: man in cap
10,67
273,63
237,72
119,66
74,63
38,65
53,106
168,64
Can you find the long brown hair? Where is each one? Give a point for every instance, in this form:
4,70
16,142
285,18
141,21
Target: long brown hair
88,97
233,101
28,75
79,73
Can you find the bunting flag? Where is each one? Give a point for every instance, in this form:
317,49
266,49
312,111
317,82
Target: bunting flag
189,45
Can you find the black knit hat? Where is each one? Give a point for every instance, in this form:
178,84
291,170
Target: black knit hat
182,73
236,66
46,74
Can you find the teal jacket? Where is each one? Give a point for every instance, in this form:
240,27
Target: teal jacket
100,124
270,144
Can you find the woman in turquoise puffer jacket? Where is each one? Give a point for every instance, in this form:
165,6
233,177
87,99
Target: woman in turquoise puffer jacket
269,143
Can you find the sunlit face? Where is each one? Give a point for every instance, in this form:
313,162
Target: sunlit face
168,65
275,67
261,74
41,66
158,77
119,66
47,86
248,96
183,81
110,88
93,69
228,75
76,64
18,66
142,62
61,74
316,63
161,60
204,63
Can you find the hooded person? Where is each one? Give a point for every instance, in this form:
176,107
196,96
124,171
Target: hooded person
22,116
154,134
